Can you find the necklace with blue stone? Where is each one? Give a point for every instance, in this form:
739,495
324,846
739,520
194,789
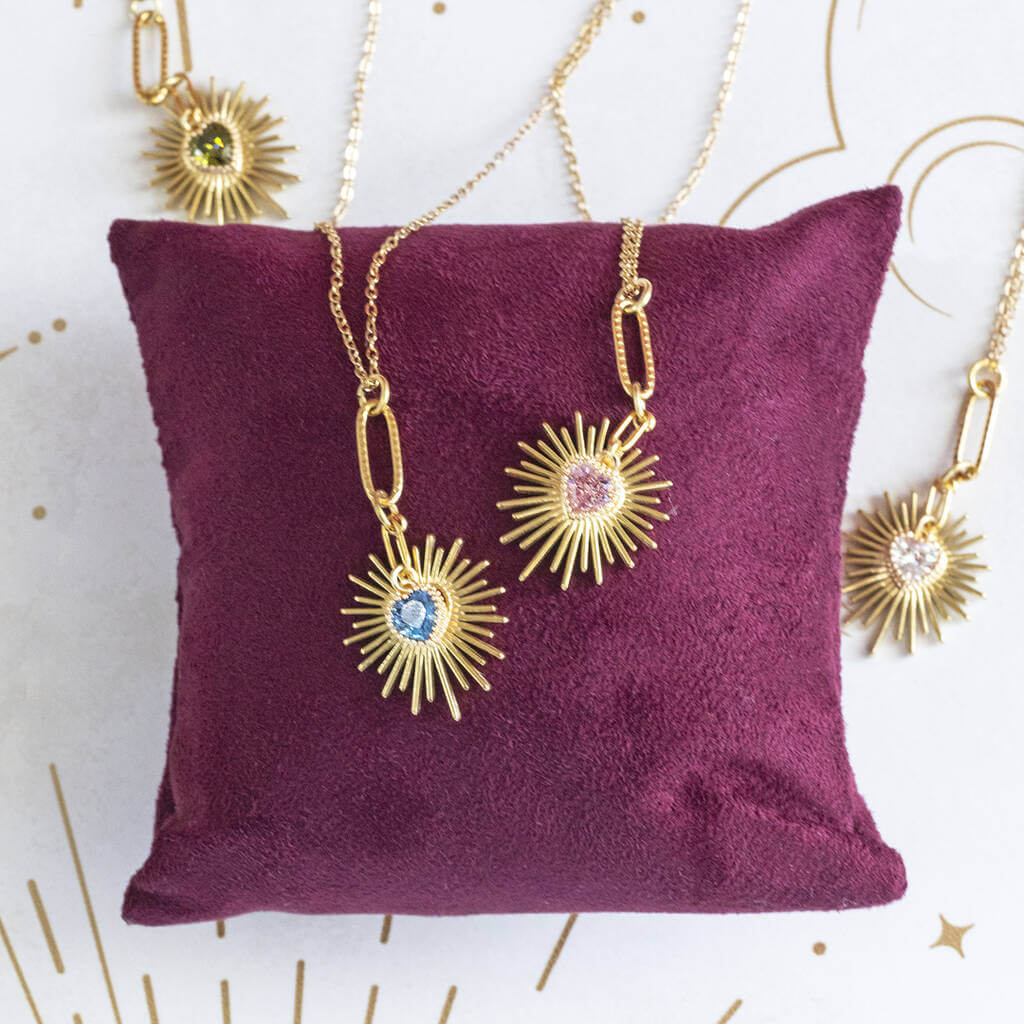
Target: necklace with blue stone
422,617
587,497
423,620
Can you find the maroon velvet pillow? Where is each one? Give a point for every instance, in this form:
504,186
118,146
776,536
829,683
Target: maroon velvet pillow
669,741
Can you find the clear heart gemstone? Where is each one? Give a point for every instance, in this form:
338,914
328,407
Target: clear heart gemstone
913,558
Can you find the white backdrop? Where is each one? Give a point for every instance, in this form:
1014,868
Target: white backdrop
88,553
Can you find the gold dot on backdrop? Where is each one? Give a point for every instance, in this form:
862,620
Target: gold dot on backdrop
35,337
819,948
639,17
39,512
60,324
440,8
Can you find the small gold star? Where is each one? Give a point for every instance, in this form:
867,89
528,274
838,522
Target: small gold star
952,936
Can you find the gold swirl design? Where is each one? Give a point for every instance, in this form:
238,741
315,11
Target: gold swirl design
939,160
916,188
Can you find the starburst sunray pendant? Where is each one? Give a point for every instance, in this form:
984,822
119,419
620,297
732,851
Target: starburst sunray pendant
218,155
907,570
426,624
582,504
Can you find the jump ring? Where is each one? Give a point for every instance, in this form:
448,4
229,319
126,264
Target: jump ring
633,303
369,384
994,378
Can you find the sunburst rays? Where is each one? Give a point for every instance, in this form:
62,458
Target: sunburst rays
216,156
905,578
427,625
583,507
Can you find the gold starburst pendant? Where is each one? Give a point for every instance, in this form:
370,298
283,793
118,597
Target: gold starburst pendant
424,621
217,154
907,568
583,500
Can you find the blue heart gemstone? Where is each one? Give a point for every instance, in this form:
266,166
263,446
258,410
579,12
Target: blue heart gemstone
415,616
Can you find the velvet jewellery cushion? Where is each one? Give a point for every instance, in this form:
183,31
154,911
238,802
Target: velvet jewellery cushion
669,741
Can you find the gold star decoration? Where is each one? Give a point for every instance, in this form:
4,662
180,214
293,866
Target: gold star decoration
952,936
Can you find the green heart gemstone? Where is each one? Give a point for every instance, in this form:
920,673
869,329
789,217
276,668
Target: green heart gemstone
212,147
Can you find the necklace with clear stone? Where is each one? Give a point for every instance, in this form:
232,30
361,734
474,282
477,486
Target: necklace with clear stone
910,567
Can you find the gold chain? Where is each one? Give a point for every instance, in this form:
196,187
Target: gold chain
347,185
984,382
363,372
553,100
368,374
374,391
629,254
697,170
168,84
1007,308
632,300
595,20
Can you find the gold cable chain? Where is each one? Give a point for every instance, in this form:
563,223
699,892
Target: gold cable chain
1007,307
370,379
347,183
582,43
984,383
368,374
632,299
629,255
701,162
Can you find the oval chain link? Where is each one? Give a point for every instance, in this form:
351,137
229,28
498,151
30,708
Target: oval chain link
632,298
384,502
155,96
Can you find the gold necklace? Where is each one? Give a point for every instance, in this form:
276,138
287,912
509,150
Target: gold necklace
909,566
587,496
710,138
420,618
421,615
215,153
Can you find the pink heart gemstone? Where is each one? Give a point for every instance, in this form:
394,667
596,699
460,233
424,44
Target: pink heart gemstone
588,489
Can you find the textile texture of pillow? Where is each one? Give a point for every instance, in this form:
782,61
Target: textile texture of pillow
669,741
